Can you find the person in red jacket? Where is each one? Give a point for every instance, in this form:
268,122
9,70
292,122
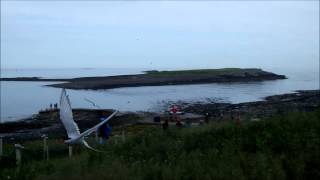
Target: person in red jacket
173,109
174,112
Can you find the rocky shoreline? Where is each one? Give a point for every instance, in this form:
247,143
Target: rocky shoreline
300,101
47,122
160,78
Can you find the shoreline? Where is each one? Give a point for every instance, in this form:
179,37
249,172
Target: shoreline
160,78
48,122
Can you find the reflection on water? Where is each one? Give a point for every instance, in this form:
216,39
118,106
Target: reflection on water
21,99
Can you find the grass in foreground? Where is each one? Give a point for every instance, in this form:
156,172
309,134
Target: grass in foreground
284,147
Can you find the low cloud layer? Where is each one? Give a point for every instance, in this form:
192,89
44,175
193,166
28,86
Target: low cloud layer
159,34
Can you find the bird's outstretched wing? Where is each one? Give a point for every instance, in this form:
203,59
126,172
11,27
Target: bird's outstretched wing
95,128
89,131
67,117
79,138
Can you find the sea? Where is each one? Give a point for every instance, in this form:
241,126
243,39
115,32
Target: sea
23,99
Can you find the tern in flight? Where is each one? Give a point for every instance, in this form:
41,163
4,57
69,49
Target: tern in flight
71,126
94,104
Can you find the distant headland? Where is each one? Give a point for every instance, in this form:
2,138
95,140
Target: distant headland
159,78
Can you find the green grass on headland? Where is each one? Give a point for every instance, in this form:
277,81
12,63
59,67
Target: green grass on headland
202,72
283,147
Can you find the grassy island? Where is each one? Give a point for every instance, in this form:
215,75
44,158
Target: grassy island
158,78
223,71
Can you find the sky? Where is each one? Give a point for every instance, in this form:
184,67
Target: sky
159,34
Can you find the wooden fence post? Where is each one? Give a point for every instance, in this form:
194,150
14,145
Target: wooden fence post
123,137
97,136
45,147
1,146
18,148
70,151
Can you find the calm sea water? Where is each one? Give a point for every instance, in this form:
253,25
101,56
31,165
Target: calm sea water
22,99
68,72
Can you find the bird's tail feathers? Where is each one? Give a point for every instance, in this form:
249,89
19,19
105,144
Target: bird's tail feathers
91,148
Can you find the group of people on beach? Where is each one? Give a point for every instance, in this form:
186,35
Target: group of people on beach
54,106
174,113
51,107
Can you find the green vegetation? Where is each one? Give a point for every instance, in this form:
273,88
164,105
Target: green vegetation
202,72
283,147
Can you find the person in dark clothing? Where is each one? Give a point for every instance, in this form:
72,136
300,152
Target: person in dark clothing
221,115
104,133
157,119
165,125
207,117
238,120
188,123
232,115
178,124
105,130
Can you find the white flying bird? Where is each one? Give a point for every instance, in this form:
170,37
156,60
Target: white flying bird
94,104
72,128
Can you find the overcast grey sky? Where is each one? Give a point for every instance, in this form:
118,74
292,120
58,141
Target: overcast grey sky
145,34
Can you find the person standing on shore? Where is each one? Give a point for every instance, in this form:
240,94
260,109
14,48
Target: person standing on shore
232,114
165,125
221,115
178,123
207,117
174,112
104,133
105,130
188,123
238,120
